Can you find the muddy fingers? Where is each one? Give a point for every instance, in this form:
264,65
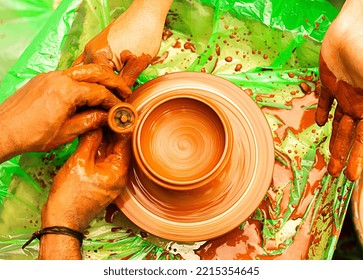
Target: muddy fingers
342,145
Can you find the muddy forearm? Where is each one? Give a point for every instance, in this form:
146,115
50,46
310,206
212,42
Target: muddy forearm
146,11
8,146
59,247
6,152
158,8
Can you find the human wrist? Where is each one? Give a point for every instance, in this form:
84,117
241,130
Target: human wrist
57,216
59,238
59,247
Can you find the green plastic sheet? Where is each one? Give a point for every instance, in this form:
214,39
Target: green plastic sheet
283,36
20,21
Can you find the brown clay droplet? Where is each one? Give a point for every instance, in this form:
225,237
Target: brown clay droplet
166,34
189,46
218,50
177,45
305,88
238,67
159,59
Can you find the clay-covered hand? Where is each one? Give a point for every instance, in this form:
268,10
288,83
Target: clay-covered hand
129,43
91,179
341,72
50,110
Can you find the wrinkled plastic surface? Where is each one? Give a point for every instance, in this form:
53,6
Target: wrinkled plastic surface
20,21
285,37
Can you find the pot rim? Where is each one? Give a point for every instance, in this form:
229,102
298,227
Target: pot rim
189,184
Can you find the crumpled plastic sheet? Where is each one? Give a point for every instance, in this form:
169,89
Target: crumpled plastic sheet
20,21
286,36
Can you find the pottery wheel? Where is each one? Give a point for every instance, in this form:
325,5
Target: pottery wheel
201,182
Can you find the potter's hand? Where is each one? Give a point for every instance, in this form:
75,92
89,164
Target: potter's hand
44,113
90,180
129,43
341,72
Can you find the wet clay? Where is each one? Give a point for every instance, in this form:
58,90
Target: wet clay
187,109
122,118
110,51
121,83
347,131
59,103
98,151
248,244
303,117
182,142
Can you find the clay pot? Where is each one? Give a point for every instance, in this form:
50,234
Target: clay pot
357,209
203,157
183,141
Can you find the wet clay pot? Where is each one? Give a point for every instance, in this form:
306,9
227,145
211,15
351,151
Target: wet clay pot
203,157
183,142
357,209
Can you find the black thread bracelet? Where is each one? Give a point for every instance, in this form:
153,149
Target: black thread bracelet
55,230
